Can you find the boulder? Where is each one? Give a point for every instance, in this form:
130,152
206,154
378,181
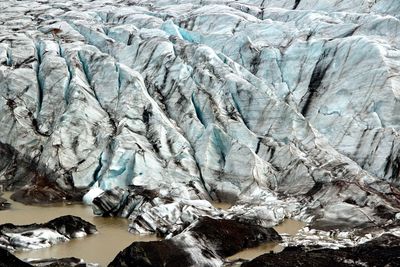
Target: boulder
206,242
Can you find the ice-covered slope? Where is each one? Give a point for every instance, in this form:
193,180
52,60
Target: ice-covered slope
226,100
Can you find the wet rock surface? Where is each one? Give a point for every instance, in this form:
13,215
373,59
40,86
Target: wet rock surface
204,243
229,237
35,236
8,259
382,251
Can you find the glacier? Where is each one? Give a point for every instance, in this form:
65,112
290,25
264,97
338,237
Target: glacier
285,109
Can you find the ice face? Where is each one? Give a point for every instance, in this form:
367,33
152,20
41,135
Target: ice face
225,98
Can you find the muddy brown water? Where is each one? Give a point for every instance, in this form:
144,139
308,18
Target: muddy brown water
112,237
101,248
289,227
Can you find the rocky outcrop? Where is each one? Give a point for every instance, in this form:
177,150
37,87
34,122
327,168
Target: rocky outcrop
8,259
382,251
205,243
35,236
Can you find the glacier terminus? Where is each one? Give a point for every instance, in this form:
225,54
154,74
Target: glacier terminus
151,110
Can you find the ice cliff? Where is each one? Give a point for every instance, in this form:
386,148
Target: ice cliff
291,107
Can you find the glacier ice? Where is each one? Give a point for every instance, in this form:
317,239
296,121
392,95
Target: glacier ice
287,108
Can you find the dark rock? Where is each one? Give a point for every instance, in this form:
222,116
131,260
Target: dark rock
382,251
204,243
9,260
229,236
155,253
68,225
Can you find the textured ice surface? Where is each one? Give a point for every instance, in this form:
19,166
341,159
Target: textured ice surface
291,106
